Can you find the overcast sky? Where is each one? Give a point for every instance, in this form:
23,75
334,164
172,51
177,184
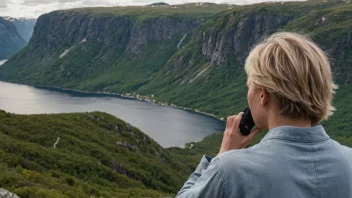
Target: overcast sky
34,8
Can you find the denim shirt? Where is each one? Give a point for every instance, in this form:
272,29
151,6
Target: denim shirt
288,162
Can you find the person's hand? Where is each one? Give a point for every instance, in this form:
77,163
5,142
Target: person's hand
233,138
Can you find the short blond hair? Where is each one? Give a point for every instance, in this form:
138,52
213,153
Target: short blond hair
297,72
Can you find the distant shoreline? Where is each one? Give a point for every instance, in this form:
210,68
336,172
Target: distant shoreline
137,97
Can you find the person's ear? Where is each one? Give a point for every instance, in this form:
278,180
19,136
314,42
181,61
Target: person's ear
264,96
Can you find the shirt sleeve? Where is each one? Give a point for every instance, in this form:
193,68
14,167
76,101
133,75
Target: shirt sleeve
206,181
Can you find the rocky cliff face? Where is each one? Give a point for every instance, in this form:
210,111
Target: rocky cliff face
160,29
10,41
227,39
74,45
342,53
224,42
243,33
57,32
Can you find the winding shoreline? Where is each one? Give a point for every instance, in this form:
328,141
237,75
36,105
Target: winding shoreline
122,96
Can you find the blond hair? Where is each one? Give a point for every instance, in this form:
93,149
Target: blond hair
297,72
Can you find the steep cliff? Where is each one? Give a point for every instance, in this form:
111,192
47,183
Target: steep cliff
208,73
72,48
10,40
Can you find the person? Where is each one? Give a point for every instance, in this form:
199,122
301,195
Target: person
290,91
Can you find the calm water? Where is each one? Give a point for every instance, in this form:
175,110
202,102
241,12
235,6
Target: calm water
168,126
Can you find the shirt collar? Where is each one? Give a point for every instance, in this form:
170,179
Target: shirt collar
297,134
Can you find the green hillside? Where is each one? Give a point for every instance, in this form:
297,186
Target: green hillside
97,155
190,10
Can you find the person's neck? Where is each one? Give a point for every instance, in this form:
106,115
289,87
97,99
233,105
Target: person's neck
277,120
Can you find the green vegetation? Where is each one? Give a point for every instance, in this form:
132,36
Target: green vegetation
191,10
120,78
97,155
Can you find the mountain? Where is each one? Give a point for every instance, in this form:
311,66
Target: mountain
10,41
159,4
24,26
83,155
188,55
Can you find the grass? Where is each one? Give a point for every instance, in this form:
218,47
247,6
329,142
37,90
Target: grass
97,155
139,13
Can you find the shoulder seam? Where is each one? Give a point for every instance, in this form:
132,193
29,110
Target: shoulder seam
295,140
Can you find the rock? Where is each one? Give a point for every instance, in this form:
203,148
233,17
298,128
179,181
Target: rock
116,128
117,167
92,117
159,4
6,194
128,146
342,73
158,155
144,139
129,127
219,46
159,29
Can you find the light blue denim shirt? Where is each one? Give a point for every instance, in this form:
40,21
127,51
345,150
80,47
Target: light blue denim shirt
288,162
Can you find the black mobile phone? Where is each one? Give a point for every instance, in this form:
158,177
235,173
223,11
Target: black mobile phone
247,122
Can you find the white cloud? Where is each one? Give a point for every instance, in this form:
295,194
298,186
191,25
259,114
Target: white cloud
34,8
3,3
